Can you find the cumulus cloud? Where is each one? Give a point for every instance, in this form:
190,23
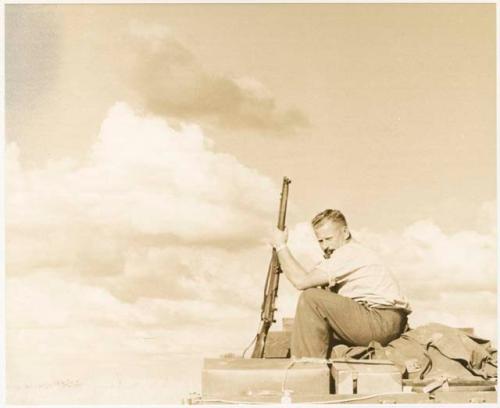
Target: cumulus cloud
66,304
449,278
153,213
169,81
427,257
151,241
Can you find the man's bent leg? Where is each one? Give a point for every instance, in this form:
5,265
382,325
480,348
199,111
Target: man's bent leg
319,310
310,329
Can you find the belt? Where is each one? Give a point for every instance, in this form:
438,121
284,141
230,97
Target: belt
401,311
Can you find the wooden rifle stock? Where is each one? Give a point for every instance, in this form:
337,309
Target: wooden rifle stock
271,288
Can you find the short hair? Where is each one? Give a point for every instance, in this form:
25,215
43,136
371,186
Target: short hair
329,215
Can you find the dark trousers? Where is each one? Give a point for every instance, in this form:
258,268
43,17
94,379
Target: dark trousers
323,315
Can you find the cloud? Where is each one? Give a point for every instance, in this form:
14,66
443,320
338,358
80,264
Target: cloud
448,278
168,80
149,250
66,304
151,213
426,257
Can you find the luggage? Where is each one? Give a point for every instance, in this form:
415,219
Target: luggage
366,376
229,378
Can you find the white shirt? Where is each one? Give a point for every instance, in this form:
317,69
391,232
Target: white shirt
357,272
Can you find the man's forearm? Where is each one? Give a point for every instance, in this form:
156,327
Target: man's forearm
292,269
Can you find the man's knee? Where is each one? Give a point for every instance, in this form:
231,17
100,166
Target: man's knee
315,294
317,297
322,301
309,296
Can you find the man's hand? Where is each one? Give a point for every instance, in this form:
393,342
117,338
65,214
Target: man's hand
279,238
293,270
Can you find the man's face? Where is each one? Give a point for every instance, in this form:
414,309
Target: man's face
331,236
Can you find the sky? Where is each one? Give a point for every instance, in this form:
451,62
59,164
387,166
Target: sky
146,145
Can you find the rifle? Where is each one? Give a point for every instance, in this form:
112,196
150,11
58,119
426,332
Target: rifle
271,288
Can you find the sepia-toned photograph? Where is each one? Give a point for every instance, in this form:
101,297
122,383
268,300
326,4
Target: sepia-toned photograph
250,203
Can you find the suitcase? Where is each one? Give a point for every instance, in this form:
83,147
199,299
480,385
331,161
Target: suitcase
227,378
366,376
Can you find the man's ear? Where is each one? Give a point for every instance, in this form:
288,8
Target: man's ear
347,234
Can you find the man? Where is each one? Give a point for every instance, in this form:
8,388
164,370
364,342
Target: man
362,302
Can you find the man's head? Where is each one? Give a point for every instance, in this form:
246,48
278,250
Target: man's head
330,228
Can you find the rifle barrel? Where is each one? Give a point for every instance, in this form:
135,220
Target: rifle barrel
283,203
